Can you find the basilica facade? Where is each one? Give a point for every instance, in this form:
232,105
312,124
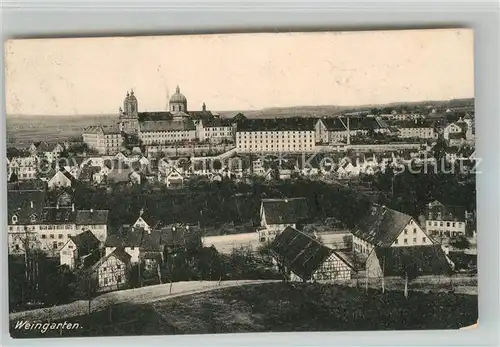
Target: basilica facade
176,125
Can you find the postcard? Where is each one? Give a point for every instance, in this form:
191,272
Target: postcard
233,183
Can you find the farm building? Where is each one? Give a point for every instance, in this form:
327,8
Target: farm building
277,214
111,271
394,261
304,258
384,227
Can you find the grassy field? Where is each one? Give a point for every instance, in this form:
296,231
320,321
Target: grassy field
278,307
22,131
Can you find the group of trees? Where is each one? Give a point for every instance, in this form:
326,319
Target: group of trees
37,279
216,203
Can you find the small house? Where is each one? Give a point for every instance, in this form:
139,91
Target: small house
385,227
61,179
277,214
111,271
394,261
304,258
77,247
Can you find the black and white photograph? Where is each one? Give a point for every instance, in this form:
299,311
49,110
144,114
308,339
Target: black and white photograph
241,183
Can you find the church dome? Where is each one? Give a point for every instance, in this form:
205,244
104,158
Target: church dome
178,97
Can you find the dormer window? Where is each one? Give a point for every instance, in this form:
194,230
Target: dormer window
14,219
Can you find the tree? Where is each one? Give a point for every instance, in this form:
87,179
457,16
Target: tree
460,242
407,269
357,265
86,285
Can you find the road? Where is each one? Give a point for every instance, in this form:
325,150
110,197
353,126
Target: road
142,295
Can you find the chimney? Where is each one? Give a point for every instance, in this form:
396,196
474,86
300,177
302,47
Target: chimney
203,107
57,205
91,210
141,212
31,203
73,207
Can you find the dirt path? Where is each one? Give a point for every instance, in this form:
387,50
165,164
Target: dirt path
142,295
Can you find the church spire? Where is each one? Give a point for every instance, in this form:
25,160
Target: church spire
177,89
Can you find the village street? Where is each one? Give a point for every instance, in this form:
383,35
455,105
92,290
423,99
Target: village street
141,295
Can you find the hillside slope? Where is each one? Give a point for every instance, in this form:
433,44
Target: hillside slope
278,307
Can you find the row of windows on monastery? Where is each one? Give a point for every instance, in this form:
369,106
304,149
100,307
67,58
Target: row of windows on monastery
448,224
223,129
283,134
167,134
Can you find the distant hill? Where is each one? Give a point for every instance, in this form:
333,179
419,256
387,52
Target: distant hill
22,130
330,110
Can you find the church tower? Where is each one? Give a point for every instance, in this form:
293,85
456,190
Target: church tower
128,118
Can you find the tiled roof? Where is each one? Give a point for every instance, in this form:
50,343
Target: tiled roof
167,125
154,241
415,124
91,217
85,240
285,211
19,204
299,252
216,122
119,253
427,260
355,123
52,215
381,225
93,129
201,115
282,124
154,116
112,129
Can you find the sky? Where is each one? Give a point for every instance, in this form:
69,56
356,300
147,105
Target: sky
84,76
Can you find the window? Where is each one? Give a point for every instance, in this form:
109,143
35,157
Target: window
447,224
414,230
405,241
54,245
70,246
454,224
119,279
440,224
424,240
51,236
414,240
105,281
104,269
44,236
406,232
118,266
396,242
60,236
16,247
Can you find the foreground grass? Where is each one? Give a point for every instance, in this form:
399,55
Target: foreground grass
278,307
